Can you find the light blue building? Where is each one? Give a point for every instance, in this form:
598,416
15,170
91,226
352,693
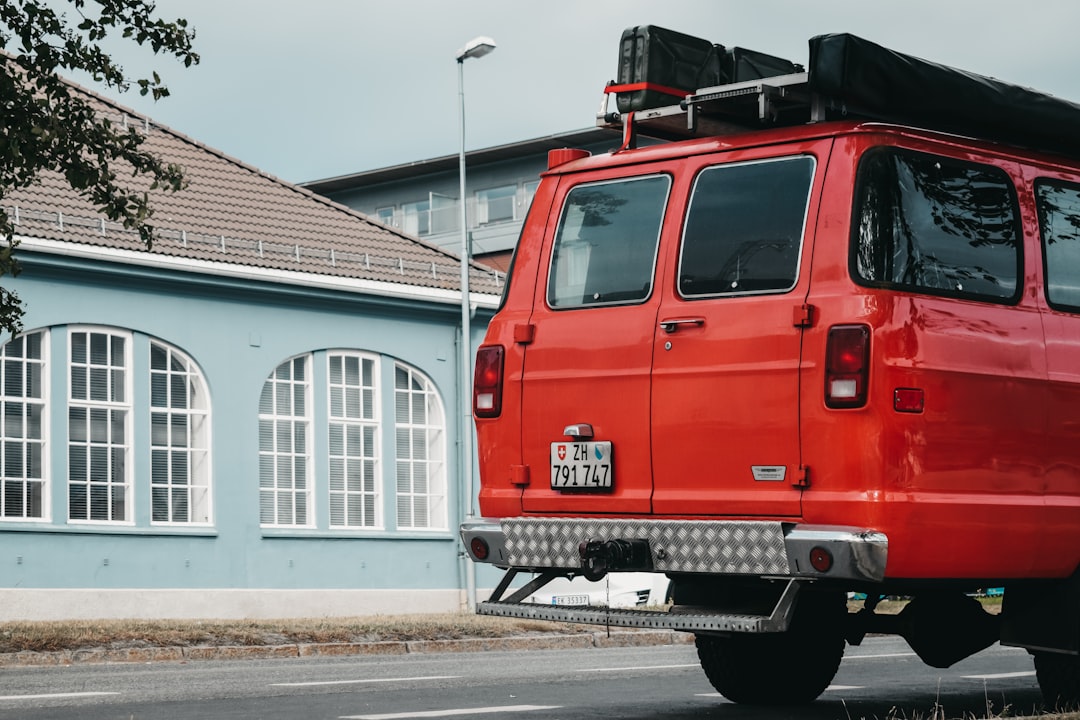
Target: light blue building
259,417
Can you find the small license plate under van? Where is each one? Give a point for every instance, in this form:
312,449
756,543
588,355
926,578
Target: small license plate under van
581,466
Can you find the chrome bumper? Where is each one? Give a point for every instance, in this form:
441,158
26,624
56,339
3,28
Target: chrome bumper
714,547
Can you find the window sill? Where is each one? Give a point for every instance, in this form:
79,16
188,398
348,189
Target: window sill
308,533
103,529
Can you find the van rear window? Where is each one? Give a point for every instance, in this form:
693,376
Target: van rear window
935,225
744,228
1059,223
605,246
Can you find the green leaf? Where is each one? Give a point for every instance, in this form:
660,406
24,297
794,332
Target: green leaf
48,125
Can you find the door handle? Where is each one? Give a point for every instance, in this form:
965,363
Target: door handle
670,326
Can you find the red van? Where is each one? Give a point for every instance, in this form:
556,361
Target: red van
827,344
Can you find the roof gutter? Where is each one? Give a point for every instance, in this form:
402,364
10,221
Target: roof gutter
246,272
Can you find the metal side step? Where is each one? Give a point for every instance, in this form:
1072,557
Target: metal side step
695,620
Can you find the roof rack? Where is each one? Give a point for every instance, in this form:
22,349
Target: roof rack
849,77
722,110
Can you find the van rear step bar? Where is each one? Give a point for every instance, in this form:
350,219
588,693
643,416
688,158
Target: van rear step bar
685,618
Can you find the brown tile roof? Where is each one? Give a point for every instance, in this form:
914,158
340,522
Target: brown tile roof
234,213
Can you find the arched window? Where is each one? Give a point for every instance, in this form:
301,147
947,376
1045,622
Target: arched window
99,426
22,452
284,448
179,439
420,427
340,450
106,430
353,441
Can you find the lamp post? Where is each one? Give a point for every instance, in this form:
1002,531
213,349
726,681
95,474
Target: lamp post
475,48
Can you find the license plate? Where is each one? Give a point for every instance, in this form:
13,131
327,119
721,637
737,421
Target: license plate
581,465
570,600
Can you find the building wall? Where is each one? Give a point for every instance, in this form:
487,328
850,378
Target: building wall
237,333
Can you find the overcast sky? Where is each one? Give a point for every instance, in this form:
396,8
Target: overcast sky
310,89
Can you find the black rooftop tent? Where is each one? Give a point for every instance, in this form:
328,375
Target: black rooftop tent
868,80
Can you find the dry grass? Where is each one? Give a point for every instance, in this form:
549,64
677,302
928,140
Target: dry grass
73,635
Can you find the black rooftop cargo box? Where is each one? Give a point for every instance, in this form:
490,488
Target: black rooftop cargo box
672,65
741,65
667,59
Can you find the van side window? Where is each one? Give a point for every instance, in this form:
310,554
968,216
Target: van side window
744,228
605,246
1059,224
936,225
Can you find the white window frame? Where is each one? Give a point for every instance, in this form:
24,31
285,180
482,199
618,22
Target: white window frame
180,467
416,217
387,216
353,439
279,491
528,192
15,435
101,453
420,455
484,199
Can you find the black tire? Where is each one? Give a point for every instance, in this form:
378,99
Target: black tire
789,668
1059,680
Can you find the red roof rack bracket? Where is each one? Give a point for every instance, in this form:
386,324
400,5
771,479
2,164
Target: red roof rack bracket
654,87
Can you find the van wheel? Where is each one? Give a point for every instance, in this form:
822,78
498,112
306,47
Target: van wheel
744,668
787,668
1059,679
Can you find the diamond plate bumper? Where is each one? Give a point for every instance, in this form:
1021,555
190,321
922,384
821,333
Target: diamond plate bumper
714,547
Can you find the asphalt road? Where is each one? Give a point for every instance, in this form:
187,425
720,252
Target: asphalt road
882,678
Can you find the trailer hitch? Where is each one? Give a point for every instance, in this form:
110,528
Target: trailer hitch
599,557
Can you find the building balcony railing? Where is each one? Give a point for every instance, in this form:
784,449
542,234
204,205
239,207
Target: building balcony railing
441,215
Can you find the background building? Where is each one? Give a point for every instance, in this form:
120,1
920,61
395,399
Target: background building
421,198
259,417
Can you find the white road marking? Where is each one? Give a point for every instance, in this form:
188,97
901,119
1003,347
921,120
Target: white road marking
831,687
883,655
49,696
1000,676
641,667
369,680
452,713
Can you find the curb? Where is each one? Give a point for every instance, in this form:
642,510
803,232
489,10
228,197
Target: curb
641,638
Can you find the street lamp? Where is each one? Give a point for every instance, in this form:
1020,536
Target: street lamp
475,48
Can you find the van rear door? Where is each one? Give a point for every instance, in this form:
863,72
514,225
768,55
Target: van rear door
725,392
585,384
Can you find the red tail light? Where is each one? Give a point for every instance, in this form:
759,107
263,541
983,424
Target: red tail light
488,382
847,366
821,559
479,547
